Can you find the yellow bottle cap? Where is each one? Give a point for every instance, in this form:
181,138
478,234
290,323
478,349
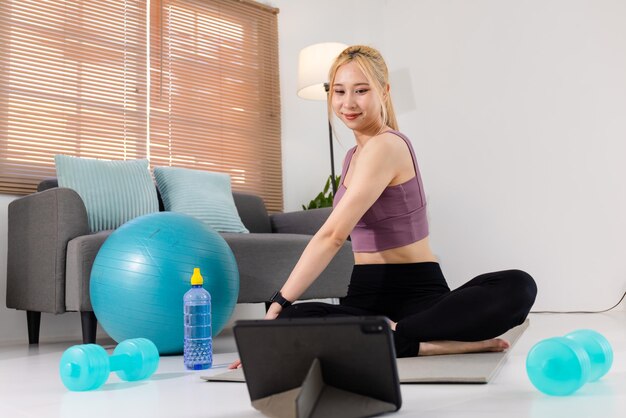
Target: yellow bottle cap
196,279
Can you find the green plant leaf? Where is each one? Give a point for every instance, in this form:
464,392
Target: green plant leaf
324,199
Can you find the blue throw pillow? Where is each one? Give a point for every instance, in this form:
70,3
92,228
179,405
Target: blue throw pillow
113,191
203,194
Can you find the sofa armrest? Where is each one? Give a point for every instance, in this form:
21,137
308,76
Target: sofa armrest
306,222
81,254
39,228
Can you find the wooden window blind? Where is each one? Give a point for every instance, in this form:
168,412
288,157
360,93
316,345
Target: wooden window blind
215,98
74,81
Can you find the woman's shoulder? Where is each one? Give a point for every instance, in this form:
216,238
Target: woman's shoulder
388,141
397,134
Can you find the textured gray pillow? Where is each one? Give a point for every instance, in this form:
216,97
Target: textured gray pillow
113,191
203,194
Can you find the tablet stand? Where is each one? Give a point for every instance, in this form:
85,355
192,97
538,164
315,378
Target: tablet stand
316,399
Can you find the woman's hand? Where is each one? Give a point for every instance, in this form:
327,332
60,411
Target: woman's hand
235,364
272,313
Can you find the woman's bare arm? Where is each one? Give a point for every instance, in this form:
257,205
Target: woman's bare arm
377,167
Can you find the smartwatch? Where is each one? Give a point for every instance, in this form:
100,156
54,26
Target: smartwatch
278,298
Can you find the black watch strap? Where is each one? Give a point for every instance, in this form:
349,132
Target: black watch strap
278,298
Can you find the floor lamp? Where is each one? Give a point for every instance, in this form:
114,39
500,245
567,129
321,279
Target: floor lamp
313,65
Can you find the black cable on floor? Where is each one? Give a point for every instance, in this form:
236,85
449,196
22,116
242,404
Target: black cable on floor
582,312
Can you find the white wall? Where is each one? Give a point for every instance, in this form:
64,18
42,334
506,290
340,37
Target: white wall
520,129
516,111
306,152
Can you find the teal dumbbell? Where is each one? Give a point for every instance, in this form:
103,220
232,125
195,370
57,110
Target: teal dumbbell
87,367
560,366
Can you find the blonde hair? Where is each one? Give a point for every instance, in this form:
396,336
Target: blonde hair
371,62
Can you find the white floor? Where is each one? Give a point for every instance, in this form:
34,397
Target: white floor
30,386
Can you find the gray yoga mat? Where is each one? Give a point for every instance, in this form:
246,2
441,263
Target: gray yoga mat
457,368
453,368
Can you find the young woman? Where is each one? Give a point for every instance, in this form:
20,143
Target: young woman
381,204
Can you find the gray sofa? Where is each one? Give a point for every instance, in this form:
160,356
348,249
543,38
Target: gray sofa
50,254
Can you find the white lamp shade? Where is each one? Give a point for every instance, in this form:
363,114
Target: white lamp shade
313,65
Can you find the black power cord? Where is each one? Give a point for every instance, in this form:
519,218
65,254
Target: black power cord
582,312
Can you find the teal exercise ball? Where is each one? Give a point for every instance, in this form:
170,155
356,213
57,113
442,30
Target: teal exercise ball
142,271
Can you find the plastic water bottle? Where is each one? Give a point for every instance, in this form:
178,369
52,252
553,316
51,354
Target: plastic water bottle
198,347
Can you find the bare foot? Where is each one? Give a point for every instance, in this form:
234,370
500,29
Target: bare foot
433,348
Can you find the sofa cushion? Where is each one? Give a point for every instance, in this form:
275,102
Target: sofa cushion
252,212
306,222
113,191
203,194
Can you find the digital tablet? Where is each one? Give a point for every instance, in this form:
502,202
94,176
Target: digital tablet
356,354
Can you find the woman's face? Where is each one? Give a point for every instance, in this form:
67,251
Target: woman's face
354,101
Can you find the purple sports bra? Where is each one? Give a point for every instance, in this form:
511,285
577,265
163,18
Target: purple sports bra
396,219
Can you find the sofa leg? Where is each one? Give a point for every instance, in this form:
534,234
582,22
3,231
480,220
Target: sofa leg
33,321
89,324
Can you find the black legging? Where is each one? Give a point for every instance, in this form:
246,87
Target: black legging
417,297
